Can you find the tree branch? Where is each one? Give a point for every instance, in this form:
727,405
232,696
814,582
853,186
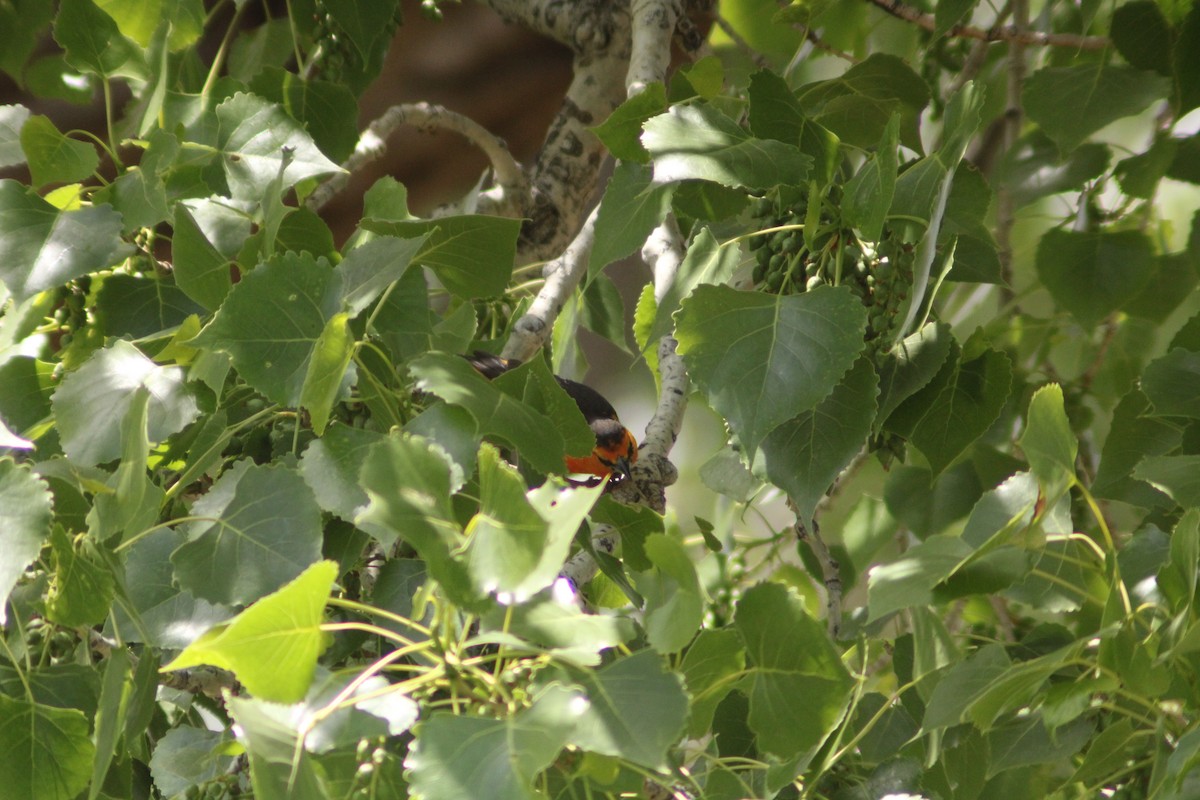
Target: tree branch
998,34
514,194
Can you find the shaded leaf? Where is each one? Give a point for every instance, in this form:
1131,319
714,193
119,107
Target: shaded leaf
699,142
1071,103
260,528
762,360
56,751
797,686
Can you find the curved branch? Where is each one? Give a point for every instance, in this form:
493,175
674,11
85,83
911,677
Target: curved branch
1007,33
372,144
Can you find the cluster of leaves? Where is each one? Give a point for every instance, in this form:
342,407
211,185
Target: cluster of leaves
230,443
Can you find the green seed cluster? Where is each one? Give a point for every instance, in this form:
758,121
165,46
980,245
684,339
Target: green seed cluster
879,275
339,57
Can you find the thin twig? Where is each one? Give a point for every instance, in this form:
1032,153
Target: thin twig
831,574
758,58
1006,33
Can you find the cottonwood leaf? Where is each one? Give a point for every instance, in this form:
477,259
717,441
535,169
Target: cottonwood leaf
259,528
273,645
796,683
44,247
761,360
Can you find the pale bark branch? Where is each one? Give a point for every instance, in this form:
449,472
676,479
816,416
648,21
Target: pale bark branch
513,185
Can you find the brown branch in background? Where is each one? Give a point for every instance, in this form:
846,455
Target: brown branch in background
825,47
978,55
1009,33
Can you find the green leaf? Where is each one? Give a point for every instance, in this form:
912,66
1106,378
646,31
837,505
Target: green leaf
92,401
260,527
115,694
1173,276
1187,62
140,306
762,360
1172,384
868,195
363,24
167,616
1025,741
273,645
632,206
1003,511
369,269
804,455
859,104
25,22
949,13
1139,175
1050,446
93,42
326,372
56,751
622,130
12,119
518,541
699,142
280,766
775,113
546,624
909,580
187,757
911,365
253,136
715,657
1072,103
674,607
1092,274
408,484
962,683
634,708
83,586
44,247
1176,476
504,755
331,464
53,157
1142,36
955,408
472,255
207,238
25,514
329,111
533,434
1133,435
272,321
1033,168
797,686
132,505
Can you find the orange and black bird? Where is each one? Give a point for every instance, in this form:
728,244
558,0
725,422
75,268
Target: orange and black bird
616,449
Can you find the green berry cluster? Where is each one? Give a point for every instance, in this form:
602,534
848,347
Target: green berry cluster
787,261
340,59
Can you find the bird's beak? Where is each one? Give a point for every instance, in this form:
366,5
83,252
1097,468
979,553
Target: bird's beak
624,468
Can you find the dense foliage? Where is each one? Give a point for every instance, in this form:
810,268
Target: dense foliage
264,533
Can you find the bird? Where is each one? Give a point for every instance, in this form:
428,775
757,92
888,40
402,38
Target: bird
616,448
